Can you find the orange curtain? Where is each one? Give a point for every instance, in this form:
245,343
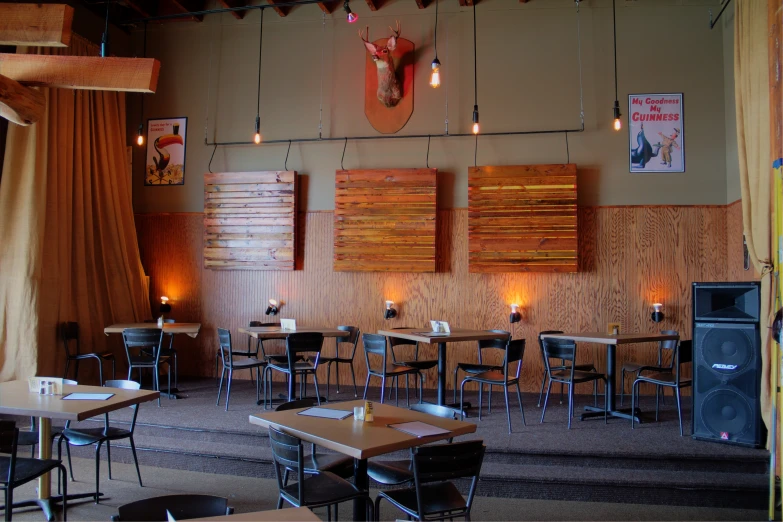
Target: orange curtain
69,249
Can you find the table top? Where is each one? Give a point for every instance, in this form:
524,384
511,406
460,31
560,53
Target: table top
456,335
301,514
601,338
190,329
16,399
276,332
358,439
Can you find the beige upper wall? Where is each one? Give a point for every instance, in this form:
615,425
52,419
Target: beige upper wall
733,192
528,80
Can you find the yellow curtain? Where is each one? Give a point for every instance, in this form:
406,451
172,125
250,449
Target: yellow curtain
751,82
69,250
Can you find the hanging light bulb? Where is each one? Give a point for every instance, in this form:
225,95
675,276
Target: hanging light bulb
257,136
475,120
349,15
140,136
618,124
435,76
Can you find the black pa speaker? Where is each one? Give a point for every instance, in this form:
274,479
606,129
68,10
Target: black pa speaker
727,364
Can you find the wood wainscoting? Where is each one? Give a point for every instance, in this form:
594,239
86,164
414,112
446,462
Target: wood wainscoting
629,258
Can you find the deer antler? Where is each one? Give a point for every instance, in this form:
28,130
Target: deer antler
396,32
361,34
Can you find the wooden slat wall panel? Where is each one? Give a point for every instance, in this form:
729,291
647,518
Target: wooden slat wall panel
630,257
250,220
385,220
522,218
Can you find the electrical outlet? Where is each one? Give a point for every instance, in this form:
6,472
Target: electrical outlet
610,328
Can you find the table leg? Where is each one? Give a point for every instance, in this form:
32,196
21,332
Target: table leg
292,386
441,374
592,412
362,482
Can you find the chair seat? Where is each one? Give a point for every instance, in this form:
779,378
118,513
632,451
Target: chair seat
579,376
87,436
396,370
340,465
631,367
478,368
144,360
491,377
247,363
102,355
662,378
336,359
26,469
437,498
585,367
301,366
390,472
322,489
419,365
30,438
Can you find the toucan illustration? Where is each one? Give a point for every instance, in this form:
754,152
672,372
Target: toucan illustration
643,152
160,144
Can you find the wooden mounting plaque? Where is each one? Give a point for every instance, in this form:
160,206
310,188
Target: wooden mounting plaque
250,220
522,218
384,220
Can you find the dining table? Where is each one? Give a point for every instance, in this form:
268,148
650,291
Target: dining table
300,514
422,335
359,439
611,341
189,329
16,399
278,332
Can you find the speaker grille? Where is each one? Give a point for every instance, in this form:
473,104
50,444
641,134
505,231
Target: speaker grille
727,351
727,411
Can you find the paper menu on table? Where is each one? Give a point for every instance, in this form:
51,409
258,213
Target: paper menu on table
88,396
326,413
419,429
288,324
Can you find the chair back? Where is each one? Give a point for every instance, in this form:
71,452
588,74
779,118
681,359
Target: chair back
124,385
396,341
541,342
259,342
352,339
563,349
667,345
499,343
69,331
442,462
9,434
139,338
181,507
288,453
224,343
303,342
515,353
374,344
292,405
683,355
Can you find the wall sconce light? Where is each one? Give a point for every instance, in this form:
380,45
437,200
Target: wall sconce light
657,314
165,307
515,316
390,311
350,16
272,308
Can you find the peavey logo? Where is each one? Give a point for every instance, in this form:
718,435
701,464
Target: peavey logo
718,366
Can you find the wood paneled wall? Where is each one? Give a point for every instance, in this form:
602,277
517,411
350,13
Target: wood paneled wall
630,257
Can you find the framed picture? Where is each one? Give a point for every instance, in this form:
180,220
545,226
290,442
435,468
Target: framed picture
656,133
165,163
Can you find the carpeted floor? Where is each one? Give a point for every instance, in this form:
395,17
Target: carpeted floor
254,494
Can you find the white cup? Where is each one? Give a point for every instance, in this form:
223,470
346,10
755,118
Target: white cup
358,413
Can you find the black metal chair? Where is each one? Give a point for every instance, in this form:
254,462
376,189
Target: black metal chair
565,350
70,332
323,489
30,437
584,367
229,365
250,352
375,344
97,436
473,368
633,367
149,340
181,507
415,362
352,341
167,352
16,471
432,496
317,462
396,472
515,352
297,345
669,377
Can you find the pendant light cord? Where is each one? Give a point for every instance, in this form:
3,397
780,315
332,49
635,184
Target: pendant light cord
436,29
321,88
475,59
260,48
144,55
614,29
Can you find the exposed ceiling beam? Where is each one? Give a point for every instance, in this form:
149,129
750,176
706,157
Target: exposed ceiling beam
371,5
82,72
228,4
329,7
282,11
422,4
178,6
47,25
466,3
19,104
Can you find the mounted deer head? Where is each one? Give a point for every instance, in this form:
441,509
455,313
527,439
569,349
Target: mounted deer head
389,92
